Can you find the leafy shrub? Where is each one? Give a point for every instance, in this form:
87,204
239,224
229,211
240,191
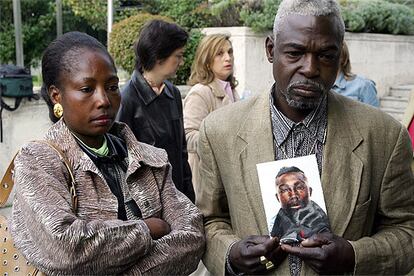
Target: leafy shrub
185,70
38,29
372,16
378,16
186,13
226,13
124,34
261,18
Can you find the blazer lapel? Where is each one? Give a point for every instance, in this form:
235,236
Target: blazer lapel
256,146
342,168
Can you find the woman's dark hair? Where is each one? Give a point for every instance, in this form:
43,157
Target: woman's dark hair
59,58
157,41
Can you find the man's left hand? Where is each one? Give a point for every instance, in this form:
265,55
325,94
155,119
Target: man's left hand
325,253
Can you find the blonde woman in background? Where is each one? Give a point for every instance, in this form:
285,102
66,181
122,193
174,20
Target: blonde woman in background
213,87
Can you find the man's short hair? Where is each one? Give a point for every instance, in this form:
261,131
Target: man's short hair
308,7
285,170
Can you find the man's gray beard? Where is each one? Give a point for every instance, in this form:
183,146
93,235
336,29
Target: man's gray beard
304,105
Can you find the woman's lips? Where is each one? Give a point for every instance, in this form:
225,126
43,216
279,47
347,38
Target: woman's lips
102,120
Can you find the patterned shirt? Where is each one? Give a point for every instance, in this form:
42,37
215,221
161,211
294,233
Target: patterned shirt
299,139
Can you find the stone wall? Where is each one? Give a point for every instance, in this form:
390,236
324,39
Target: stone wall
386,59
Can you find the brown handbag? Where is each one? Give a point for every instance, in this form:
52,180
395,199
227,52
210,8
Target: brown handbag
12,261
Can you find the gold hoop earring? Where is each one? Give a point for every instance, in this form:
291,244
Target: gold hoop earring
58,110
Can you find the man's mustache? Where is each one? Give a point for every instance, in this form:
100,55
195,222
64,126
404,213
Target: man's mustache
310,84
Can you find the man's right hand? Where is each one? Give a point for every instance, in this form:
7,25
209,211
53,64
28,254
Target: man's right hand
245,254
158,227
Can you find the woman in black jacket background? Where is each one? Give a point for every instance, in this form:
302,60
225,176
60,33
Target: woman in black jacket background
151,105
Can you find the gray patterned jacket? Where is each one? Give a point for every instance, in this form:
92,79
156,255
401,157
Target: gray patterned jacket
93,241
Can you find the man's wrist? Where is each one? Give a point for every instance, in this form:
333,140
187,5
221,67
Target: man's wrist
229,268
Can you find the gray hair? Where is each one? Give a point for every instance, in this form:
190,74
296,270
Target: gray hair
308,7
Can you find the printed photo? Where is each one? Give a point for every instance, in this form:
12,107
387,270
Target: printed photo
293,198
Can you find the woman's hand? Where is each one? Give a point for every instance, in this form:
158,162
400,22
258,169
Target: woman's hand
158,227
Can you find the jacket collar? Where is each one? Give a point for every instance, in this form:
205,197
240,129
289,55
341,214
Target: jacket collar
217,89
138,153
144,91
219,92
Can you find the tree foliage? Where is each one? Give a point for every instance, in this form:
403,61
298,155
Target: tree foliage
186,13
38,29
374,16
377,16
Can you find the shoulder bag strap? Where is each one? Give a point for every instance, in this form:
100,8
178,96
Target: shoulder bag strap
7,181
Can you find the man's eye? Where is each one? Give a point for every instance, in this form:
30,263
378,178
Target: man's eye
327,57
86,89
294,54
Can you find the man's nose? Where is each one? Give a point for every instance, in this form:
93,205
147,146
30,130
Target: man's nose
310,66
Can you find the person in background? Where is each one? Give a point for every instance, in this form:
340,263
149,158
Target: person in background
130,219
151,105
213,87
354,86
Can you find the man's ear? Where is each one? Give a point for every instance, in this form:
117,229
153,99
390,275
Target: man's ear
269,44
54,94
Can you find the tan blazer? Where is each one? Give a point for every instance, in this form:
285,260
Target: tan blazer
201,101
367,182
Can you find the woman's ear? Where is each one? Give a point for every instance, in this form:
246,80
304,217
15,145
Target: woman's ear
54,94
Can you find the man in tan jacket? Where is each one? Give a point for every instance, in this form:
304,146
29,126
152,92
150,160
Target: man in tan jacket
364,163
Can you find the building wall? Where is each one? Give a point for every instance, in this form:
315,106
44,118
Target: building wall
386,59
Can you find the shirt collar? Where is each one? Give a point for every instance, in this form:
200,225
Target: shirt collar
315,122
145,91
223,84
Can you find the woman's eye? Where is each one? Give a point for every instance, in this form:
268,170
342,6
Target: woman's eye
86,89
113,88
220,53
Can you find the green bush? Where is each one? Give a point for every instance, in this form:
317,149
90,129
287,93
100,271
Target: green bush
124,34
185,70
371,16
262,17
377,16
186,13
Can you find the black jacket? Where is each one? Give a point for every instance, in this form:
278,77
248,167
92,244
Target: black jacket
158,121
